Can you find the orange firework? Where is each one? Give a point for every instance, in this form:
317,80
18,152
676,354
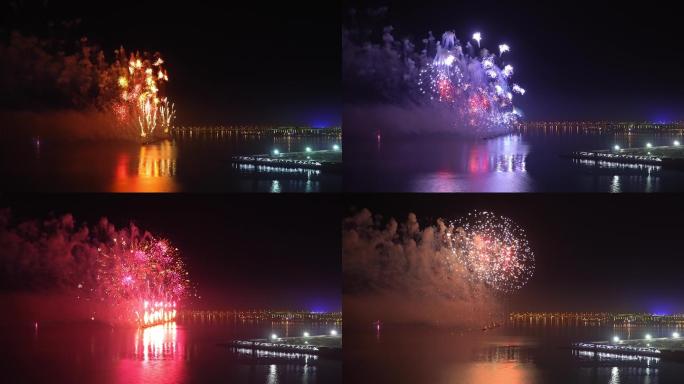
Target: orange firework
140,81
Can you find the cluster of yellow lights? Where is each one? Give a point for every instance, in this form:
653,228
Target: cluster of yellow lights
158,312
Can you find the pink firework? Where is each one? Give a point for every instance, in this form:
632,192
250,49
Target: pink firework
493,249
143,276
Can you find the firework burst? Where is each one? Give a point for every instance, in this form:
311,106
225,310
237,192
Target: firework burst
493,249
474,87
140,99
141,275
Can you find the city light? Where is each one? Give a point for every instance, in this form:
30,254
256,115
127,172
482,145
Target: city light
333,333
306,334
648,336
274,336
336,147
648,145
616,339
308,149
276,152
675,335
676,143
616,147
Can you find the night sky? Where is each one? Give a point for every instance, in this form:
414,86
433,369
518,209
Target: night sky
576,59
593,251
246,62
242,251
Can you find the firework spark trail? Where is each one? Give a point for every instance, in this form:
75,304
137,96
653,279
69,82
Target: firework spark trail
454,78
122,276
140,79
493,249
129,89
143,275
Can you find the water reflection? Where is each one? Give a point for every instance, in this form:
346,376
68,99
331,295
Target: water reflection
272,374
497,373
186,162
161,350
506,155
497,165
157,160
155,171
612,358
525,354
157,342
531,161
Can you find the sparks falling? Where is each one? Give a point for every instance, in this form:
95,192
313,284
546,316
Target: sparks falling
474,87
143,276
140,99
493,249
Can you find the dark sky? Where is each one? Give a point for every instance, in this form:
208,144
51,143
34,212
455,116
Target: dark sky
242,251
228,62
576,59
593,251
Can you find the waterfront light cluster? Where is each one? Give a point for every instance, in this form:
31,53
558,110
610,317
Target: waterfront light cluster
263,315
624,318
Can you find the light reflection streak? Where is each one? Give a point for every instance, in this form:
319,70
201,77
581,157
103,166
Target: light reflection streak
615,186
497,373
158,356
157,160
303,357
156,169
158,342
613,357
612,165
272,374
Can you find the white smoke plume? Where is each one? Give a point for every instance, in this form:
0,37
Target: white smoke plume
402,273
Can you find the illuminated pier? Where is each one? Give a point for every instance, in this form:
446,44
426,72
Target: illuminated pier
665,156
327,160
319,345
665,348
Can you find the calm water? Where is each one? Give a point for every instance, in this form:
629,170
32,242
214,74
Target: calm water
521,162
188,163
511,354
173,354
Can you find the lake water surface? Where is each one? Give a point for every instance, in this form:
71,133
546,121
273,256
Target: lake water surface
176,353
200,162
512,354
518,162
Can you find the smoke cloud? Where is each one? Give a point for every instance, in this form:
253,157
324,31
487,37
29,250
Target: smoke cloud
56,263
401,273
51,87
434,86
